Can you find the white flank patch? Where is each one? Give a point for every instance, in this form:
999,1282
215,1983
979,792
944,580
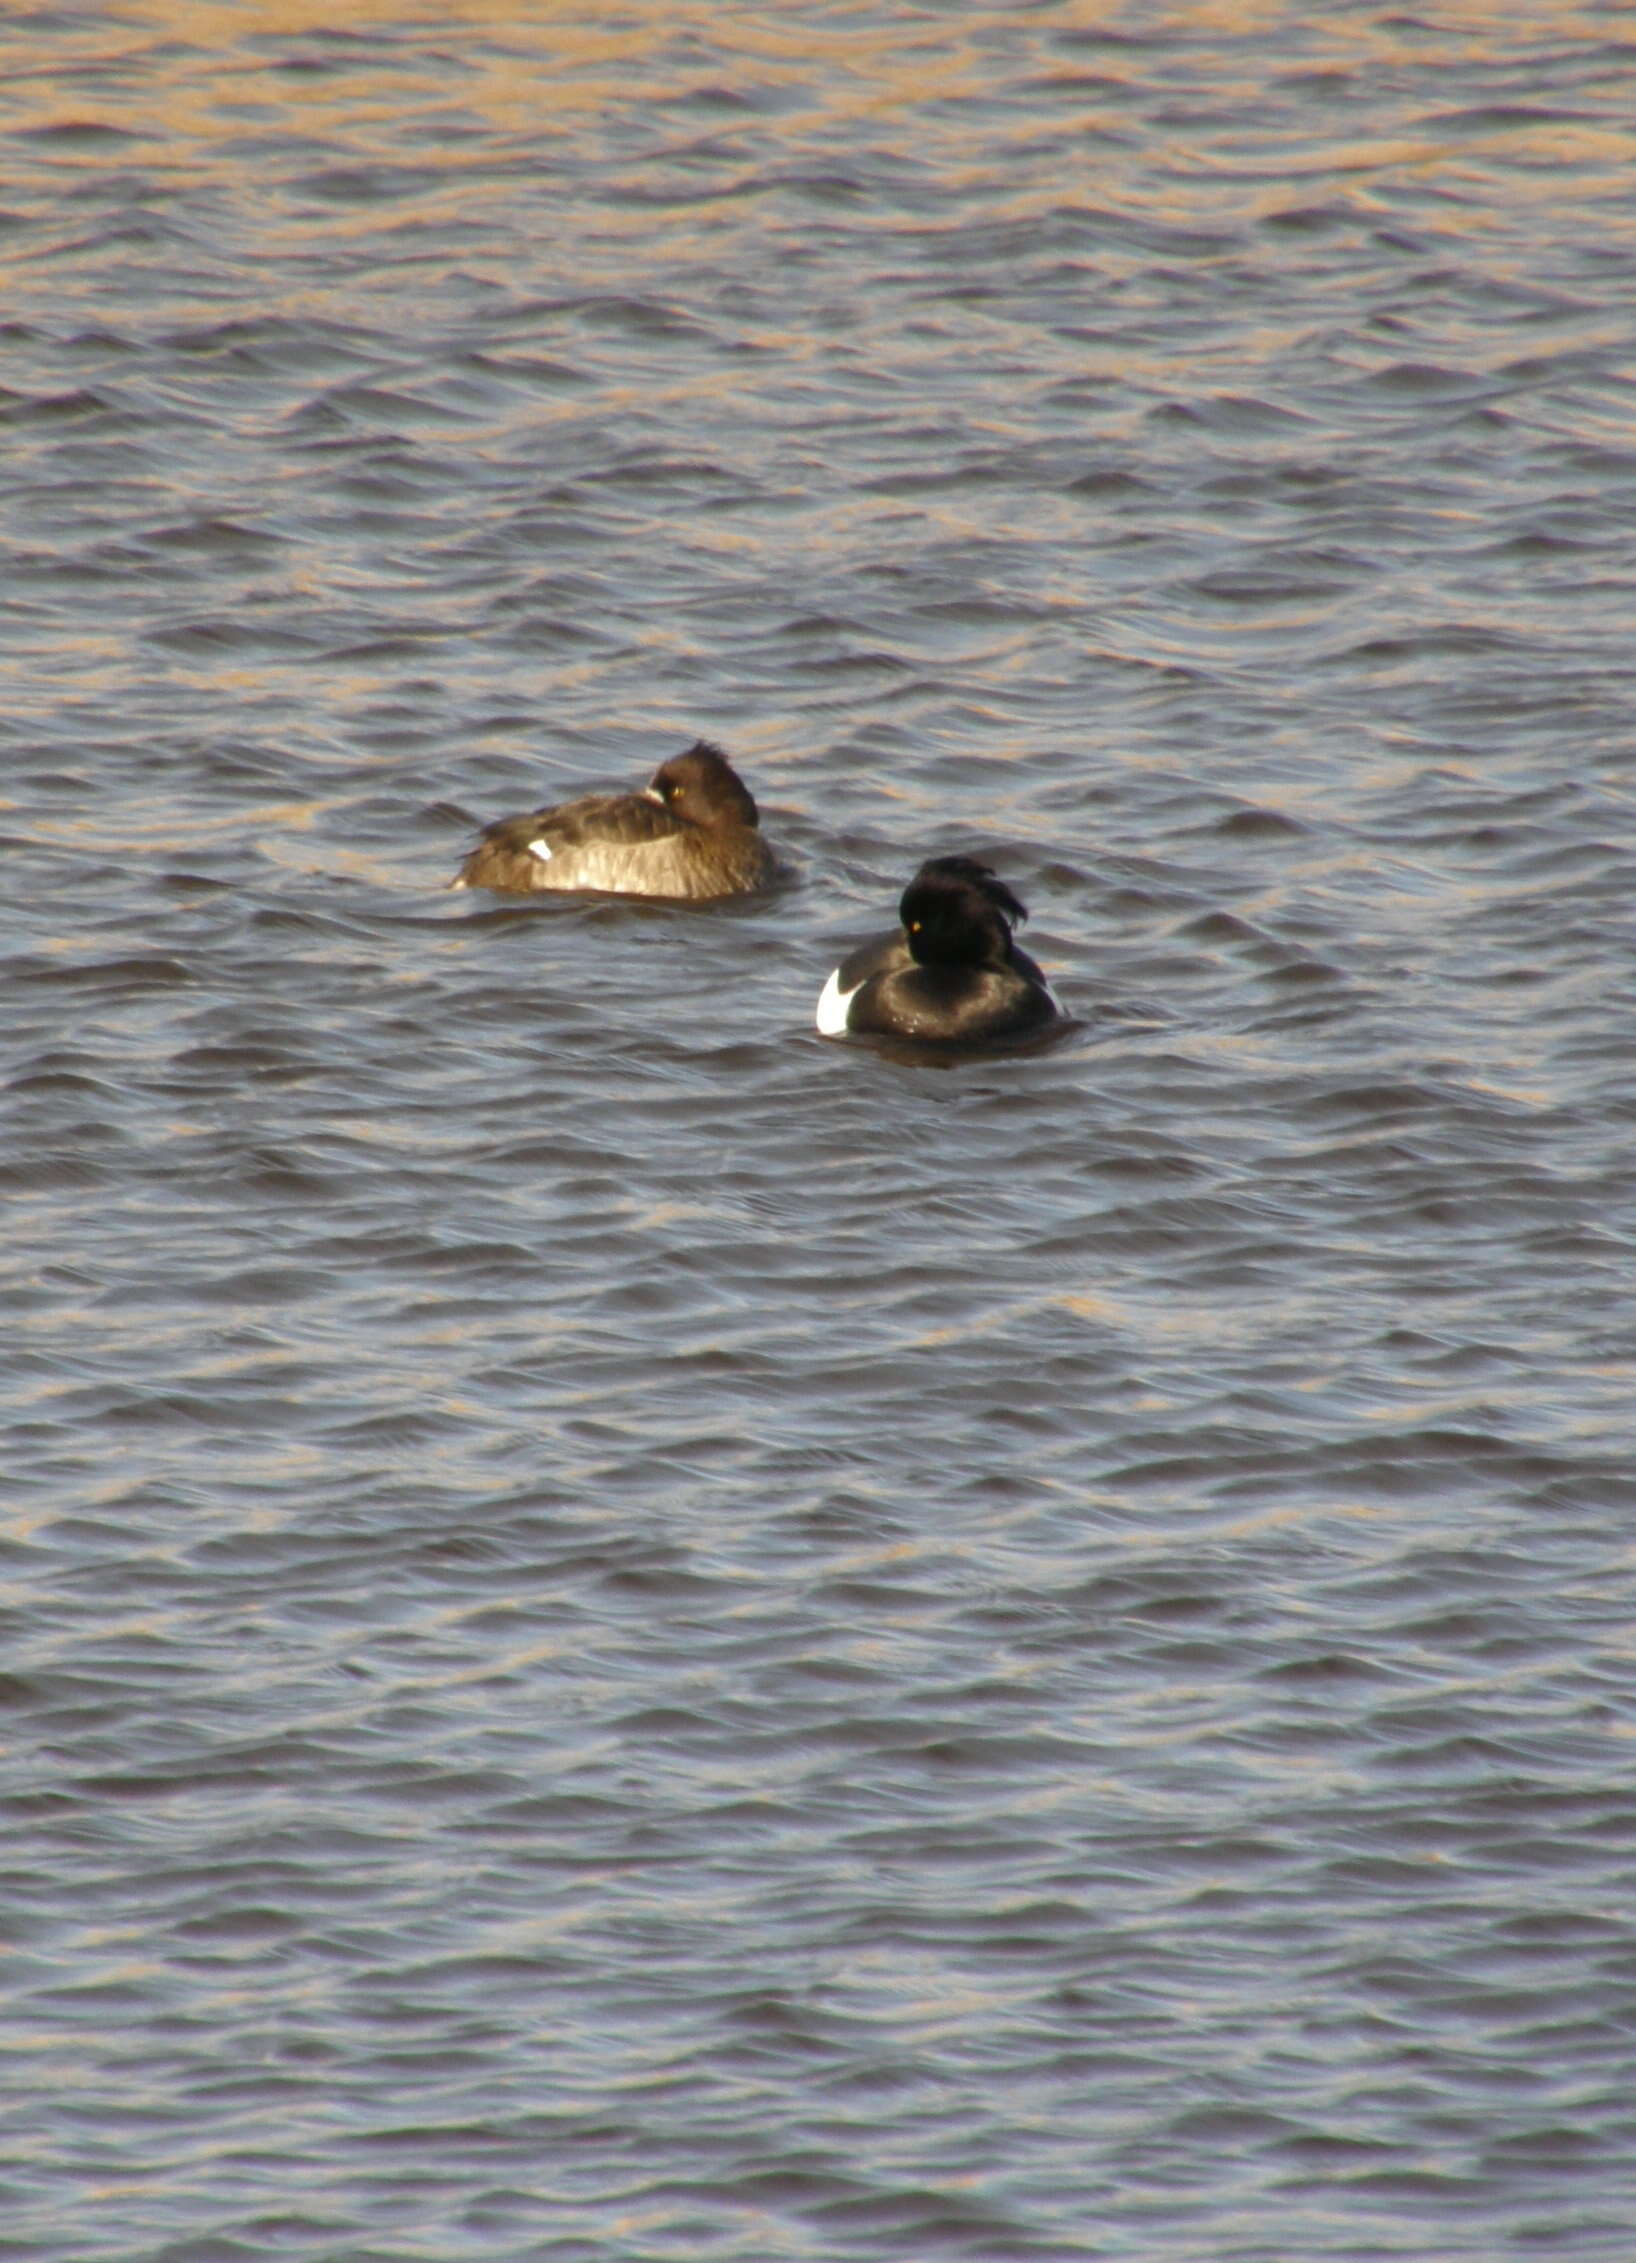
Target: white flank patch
541,849
833,1005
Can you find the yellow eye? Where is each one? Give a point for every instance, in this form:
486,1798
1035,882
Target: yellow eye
914,927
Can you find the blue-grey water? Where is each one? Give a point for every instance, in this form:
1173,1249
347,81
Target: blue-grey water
630,1636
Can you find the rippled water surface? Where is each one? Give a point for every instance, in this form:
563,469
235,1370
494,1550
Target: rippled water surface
632,1635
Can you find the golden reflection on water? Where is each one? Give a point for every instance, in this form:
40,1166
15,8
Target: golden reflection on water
216,70
207,91
521,70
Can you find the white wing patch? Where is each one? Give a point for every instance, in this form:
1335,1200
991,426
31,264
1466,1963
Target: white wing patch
541,849
833,1006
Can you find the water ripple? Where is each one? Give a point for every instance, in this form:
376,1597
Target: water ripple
632,1631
